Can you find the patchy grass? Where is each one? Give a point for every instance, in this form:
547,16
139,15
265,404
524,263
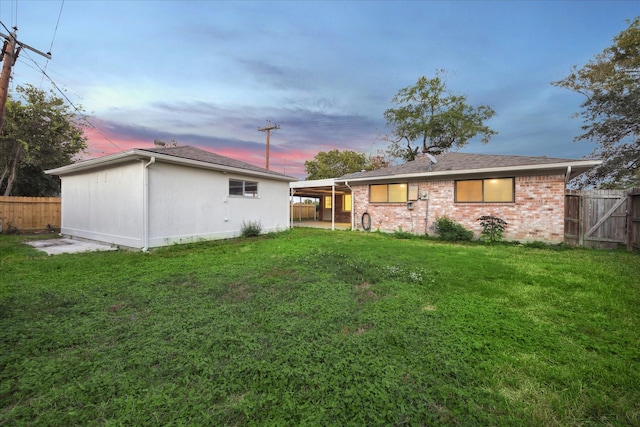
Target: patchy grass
320,328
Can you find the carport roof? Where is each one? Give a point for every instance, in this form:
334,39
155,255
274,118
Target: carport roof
318,188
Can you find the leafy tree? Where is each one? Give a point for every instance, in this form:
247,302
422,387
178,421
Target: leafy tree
611,112
335,163
39,132
430,115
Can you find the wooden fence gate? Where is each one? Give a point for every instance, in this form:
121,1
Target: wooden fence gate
633,222
602,218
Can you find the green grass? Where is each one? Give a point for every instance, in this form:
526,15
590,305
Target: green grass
313,327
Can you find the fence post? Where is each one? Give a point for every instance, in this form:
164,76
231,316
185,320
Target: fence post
629,221
581,208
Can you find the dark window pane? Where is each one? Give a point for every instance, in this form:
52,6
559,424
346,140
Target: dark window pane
235,187
251,189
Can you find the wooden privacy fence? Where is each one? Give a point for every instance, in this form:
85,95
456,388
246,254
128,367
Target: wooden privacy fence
633,226
302,211
603,218
29,213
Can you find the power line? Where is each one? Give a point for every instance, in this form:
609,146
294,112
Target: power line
82,115
55,31
10,56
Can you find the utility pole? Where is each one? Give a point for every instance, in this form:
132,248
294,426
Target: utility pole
268,128
9,55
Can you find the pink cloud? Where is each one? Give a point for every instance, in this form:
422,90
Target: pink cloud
102,143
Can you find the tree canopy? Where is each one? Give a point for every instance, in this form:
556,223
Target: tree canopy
335,163
610,83
39,132
431,119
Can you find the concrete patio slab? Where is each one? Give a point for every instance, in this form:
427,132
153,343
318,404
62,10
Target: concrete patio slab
68,246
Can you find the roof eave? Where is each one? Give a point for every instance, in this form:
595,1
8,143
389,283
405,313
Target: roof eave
583,165
137,154
92,163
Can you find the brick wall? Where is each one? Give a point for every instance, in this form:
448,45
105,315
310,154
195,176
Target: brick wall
537,214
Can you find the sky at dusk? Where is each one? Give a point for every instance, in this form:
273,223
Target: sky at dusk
210,73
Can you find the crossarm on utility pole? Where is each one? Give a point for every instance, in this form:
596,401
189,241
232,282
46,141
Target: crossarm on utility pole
10,55
268,130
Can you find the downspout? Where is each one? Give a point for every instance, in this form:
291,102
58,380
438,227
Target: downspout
352,206
568,175
145,205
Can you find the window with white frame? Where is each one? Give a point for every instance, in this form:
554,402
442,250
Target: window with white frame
242,188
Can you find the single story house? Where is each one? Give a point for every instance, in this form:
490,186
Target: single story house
527,192
146,198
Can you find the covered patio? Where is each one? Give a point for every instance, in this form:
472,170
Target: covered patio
335,209
322,224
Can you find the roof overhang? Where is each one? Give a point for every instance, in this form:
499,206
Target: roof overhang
318,188
570,169
142,155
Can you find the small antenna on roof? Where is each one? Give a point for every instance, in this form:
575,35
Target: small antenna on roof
432,160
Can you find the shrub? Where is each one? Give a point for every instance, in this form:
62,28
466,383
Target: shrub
492,228
452,231
251,229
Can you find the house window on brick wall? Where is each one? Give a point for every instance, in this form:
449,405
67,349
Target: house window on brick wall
388,193
327,202
238,187
493,190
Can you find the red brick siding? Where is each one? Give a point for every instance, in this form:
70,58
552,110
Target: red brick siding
537,214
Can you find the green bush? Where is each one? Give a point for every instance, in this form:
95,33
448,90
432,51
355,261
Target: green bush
452,231
251,229
492,228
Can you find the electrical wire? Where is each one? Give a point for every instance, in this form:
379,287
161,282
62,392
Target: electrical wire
5,27
55,31
83,116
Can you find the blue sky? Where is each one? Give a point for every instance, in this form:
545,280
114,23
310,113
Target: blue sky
210,73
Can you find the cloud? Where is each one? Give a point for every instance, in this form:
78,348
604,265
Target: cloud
235,133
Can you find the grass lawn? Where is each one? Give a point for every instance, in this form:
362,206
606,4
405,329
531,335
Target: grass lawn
313,327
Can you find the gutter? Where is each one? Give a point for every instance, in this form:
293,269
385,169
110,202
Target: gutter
145,204
521,168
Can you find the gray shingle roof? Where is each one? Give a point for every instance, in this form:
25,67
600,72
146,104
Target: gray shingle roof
453,161
192,153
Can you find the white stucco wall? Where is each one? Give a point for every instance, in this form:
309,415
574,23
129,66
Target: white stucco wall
184,204
188,204
104,205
